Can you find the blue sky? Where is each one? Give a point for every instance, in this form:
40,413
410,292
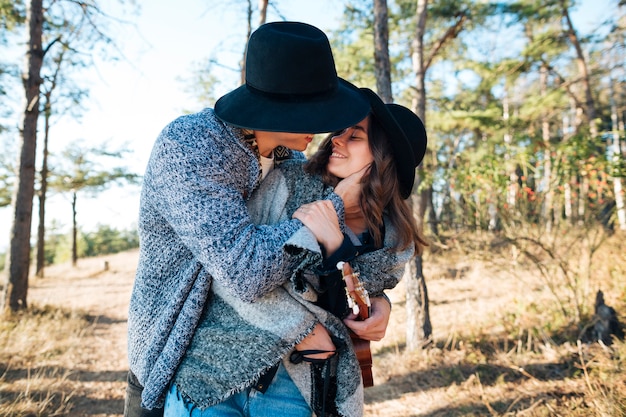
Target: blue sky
132,100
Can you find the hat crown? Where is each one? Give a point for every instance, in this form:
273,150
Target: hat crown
415,137
412,127
290,59
291,84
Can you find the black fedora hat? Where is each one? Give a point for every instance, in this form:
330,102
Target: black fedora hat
406,134
291,84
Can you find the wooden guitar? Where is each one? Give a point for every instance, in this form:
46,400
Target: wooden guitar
359,302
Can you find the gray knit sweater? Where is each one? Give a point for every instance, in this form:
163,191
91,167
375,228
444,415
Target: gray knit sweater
237,341
194,230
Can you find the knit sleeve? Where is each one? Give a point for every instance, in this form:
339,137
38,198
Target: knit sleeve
196,182
382,269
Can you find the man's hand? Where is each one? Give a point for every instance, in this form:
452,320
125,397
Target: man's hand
375,326
349,190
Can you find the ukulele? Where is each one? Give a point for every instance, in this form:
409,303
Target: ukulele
359,302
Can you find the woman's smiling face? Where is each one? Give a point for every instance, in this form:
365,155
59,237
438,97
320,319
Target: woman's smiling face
351,150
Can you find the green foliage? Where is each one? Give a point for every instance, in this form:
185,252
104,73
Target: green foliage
354,61
59,248
104,240
7,176
11,19
203,83
353,44
58,245
12,14
6,184
85,168
617,167
107,240
477,182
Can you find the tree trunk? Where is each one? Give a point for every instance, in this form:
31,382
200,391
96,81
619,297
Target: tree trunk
616,159
262,19
590,110
569,127
568,200
548,204
583,194
19,243
263,11
431,214
419,329
382,64
74,231
245,49
512,188
43,189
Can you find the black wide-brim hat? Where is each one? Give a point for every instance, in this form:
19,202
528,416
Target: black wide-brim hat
406,134
291,84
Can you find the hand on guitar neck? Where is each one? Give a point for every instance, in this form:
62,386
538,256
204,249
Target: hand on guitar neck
359,302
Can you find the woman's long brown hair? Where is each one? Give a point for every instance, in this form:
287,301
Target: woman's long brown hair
380,189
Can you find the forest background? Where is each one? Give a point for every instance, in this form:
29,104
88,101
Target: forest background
524,104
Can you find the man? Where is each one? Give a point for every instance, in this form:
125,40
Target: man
193,223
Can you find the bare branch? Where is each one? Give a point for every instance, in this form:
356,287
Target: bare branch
451,33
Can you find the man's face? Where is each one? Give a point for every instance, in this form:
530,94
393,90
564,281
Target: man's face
267,141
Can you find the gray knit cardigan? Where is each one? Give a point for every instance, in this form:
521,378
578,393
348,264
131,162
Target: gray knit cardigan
236,341
195,229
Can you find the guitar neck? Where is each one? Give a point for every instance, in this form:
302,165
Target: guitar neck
357,294
364,309
359,298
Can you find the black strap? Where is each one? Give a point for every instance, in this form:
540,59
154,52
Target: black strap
266,379
298,356
326,386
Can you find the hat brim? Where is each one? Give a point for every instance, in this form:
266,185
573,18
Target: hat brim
401,147
247,109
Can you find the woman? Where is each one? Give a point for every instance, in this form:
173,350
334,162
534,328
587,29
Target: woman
387,159
237,344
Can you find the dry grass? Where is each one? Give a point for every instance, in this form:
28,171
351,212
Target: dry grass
502,345
68,358
37,346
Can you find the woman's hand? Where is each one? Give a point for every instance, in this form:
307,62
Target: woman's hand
321,218
375,326
318,339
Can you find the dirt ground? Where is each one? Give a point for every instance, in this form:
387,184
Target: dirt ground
100,366
99,369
